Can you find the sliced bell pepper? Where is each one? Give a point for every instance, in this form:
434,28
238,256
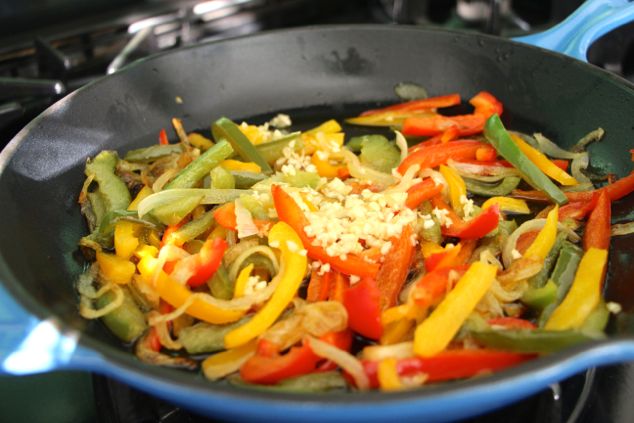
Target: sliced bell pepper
597,232
584,294
442,138
387,374
511,323
544,163
288,211
497,135
437,154
451,364
226,362
477,227
422,191
363,303
434,333
176,294
205,263
225,216
457,187
226,129
442,259
237,165
395,268
438,102
338,287
163,137
290,278
199,168
530,340
508,204
319,286
325,168
115,268
268,366
539,248
433,286
485,105
241,281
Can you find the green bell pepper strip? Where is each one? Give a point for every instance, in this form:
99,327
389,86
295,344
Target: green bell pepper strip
199,168
563,274
225,129
539,298
244,180
205,337
104,233
273,150
531,340
311,382
127,321
356,143
192,229
505,187
540,279
220,285
221,178
113,190
497,135
153,152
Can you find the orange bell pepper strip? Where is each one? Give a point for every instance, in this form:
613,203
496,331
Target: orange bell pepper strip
395,267
176,294
225,216
163,137
422,191
597,232
338,287
422,104
288,211
430,289
437,154
319,286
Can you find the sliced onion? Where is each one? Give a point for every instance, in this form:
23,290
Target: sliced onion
86,309
590,137
551,149
160,182
224,367
381,352
529,226
579,164
264,250
401,143
244,221
510,292
622,229
324,317
343,359
406,181
364,173
163,333
206,196
476,171
522,268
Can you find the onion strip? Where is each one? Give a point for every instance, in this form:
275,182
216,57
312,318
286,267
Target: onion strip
364,173
343,359
622,229
264,250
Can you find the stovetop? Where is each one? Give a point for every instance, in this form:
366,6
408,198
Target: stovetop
54,57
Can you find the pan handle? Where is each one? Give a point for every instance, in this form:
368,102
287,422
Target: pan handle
588,23
29,345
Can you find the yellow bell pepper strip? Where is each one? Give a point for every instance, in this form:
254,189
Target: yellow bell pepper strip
293,268
126,238
538,250
387,374
498,136
427,248
457,186
237,165
584,294
114,268
544,163
176,294
226,362
241,281
507,205
322,141
330,126
199,141
325,168
434,333
396,331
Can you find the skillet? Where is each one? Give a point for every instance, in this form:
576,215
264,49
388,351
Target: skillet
322,70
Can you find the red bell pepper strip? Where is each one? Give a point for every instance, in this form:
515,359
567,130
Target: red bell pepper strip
363,303
577,209
437,154
163,137
445,258
395,267
475,228
450,364
338,287
416,105
154,341
442,138
511,323
485,106
616,190
560,163
597,232
486,154
422,191
268,366
207,261
288,211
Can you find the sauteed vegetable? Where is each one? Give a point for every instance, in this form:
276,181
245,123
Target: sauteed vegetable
438,248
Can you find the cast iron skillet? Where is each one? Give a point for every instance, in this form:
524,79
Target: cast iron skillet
318,69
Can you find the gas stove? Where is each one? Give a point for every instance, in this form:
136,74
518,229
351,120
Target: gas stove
68,46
